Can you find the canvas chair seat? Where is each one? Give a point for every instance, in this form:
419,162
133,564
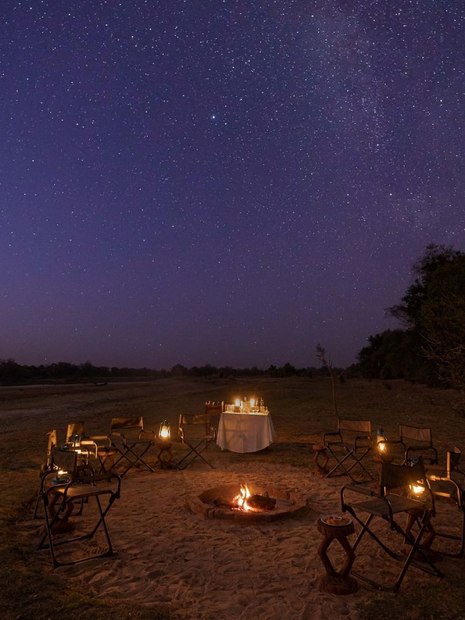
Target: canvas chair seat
80,484
343,451
196,433
389,503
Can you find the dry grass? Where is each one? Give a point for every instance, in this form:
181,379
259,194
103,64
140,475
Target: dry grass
301,410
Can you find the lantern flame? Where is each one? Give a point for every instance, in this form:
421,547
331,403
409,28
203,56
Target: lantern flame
417,488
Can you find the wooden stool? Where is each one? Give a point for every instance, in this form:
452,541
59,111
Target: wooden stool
336,527
164,455
321,458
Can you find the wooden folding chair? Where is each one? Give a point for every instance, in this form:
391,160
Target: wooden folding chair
196,433
388,506
343,450
132,441
61,488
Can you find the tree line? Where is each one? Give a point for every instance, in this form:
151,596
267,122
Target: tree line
12,373
430,345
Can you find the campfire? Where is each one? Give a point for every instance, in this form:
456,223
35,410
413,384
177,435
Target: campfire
246,503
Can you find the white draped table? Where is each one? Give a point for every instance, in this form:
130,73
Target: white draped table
245,432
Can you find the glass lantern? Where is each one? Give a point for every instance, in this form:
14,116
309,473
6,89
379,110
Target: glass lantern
164,432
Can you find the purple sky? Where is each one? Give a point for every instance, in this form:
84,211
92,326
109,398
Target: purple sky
223,182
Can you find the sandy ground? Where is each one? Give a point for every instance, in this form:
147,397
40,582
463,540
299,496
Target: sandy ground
169,558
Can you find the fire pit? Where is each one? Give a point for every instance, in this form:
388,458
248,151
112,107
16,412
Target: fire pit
247,503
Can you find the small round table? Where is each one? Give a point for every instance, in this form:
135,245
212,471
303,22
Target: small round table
165,454
321,458
336,527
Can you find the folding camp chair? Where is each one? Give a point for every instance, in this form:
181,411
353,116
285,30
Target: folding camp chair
343,450
214,409
449,483
418,441
388,506
196,433
132,442
61,488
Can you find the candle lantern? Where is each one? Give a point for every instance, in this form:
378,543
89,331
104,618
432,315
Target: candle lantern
417,488
164,432
381,442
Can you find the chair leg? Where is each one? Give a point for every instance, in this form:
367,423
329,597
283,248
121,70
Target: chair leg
427,565
52,518
346,469
460,553
194,452
133,458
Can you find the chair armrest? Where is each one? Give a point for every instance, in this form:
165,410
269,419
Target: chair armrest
90,445
363,441
116,437
100,440
448,482
356,488
332,434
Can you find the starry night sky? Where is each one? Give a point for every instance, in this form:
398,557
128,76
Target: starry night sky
228,182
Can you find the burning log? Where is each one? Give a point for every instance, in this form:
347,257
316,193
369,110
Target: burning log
261,502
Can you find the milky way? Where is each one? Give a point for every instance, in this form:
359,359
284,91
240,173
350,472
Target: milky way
223,182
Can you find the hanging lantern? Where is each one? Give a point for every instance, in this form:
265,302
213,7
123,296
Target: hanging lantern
165,431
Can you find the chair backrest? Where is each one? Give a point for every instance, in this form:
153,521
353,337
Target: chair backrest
355,426
52,442
65,460
198,424
123,425
214,407
417,434
74,428
393,476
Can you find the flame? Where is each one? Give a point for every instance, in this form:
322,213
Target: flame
417,488
241,499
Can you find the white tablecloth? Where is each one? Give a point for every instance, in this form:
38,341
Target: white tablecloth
245,432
